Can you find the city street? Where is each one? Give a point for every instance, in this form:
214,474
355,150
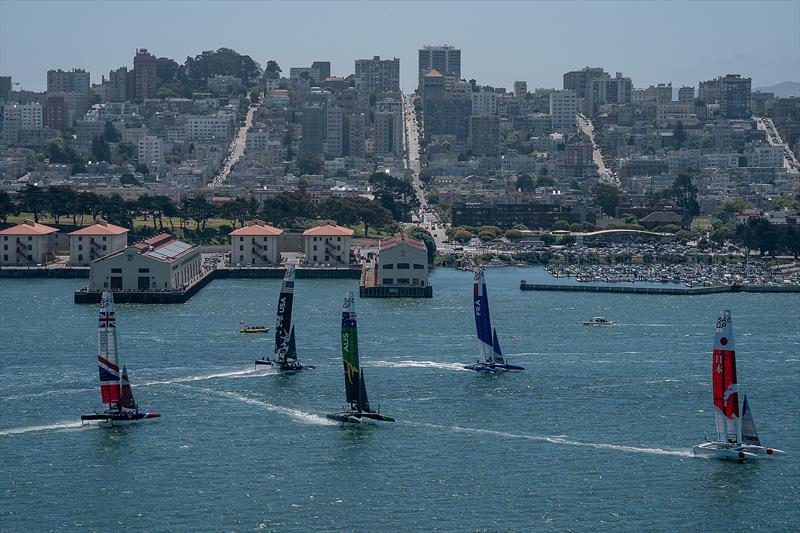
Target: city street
774,138
605,175
235,151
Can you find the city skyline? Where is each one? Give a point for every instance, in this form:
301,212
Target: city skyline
497,49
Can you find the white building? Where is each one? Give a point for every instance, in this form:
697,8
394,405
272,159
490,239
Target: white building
484,102
224,84
403,262
157,264
256,142
333,132
28,116
327,244
216,127
95,241
151,151
766,156
29,243
258,244
388,133
563,110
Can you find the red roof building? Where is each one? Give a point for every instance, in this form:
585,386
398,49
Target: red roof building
26,244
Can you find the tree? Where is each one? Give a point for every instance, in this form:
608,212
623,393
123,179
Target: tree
394,194
462,235
141,168
166,208
126,152
60,201
425,236
425,175
731,206
372,213
607,197
678,135
7,207
200,210
525,183
308,163
685,193
222,62
100,150
545,181
255,96
110,133
513,234
561,225
33,200
272,71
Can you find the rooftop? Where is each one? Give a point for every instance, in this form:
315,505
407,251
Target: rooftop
163,247
328,228
396,240
29,227
101,227
256,227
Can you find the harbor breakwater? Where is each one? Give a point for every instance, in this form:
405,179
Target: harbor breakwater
687,291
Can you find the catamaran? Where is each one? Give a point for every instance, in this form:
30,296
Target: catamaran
737,438
355,389
115,390
490,356
285,348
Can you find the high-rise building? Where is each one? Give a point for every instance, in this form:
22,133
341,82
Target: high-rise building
446,59
55,113
145,74
483,137
580,81
664,93
520,89
608,90
357,134
484,101
151,152
74,81
563,110
333,131
709,91
433,85
376,75
323,69
735,97
313,123
117,85
5,88
27,116
686,94
388,133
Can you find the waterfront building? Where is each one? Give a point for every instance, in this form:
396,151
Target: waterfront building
328,244
145,74
160,263
256,244
29,243
563,111
402,261
95,241
445,59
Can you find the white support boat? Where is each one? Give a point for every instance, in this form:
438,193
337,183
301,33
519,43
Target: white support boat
737,438
598,321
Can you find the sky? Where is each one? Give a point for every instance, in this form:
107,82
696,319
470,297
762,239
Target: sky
649,41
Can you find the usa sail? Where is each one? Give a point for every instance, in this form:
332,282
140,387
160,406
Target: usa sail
354,384
490,357
737,438
285,347
115,387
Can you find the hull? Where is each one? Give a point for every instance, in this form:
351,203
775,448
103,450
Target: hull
492,368
113,419
282,366
725,451
255,329
358,417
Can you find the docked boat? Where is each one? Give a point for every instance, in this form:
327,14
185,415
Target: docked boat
598,321
737,438
355,389
490,357
115,387
285,349
253,329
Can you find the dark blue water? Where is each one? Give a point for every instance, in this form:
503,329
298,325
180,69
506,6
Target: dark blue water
595,435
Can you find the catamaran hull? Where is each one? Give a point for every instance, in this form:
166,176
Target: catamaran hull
358,417
725,451
492,368
113,419
282,366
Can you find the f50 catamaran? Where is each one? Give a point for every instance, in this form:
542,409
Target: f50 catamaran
285,348
490,356
115,389
737,438
355,389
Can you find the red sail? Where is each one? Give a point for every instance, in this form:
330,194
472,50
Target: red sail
726,399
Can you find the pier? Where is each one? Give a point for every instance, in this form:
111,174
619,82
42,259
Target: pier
688,291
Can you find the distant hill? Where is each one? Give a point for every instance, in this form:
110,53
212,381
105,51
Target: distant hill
783,89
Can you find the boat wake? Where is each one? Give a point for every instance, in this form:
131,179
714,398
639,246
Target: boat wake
249,373
58,426
563,440
300,416
417,364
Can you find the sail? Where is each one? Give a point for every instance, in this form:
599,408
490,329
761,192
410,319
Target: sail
723,371
107,351
483,323
363,402
749,433
126,393
352,371
497,353
284,328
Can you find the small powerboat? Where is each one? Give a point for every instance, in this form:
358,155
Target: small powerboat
254,329
598,321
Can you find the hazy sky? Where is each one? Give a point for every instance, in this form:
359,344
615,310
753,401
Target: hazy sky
650,41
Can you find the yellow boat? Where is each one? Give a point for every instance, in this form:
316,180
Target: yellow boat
254,329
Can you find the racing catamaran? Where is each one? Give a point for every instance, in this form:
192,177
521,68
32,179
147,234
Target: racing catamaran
115,389
355,389
285,348
737,438
490,356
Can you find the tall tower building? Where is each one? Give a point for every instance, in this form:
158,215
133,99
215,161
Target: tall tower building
445,59
563,110
376,75
145,76
735,97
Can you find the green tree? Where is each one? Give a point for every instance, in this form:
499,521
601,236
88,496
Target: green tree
7,207
100,149
685,193
372,213
525,183
678,135
222,62
425,175
200,210
308,163
255,96
462,235
425,236
731,206
110,133
60,201
272,70
561,225
545,181
394,194
513,234
33,200
607,197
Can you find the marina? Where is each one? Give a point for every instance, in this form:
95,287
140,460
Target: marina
604,413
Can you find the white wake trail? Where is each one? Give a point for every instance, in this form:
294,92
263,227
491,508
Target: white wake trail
297,414
417,364
563,441
58,426
252,372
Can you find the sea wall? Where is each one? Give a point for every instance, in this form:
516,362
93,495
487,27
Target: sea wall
627,289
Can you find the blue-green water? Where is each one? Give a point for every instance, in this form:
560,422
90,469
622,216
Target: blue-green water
595,435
